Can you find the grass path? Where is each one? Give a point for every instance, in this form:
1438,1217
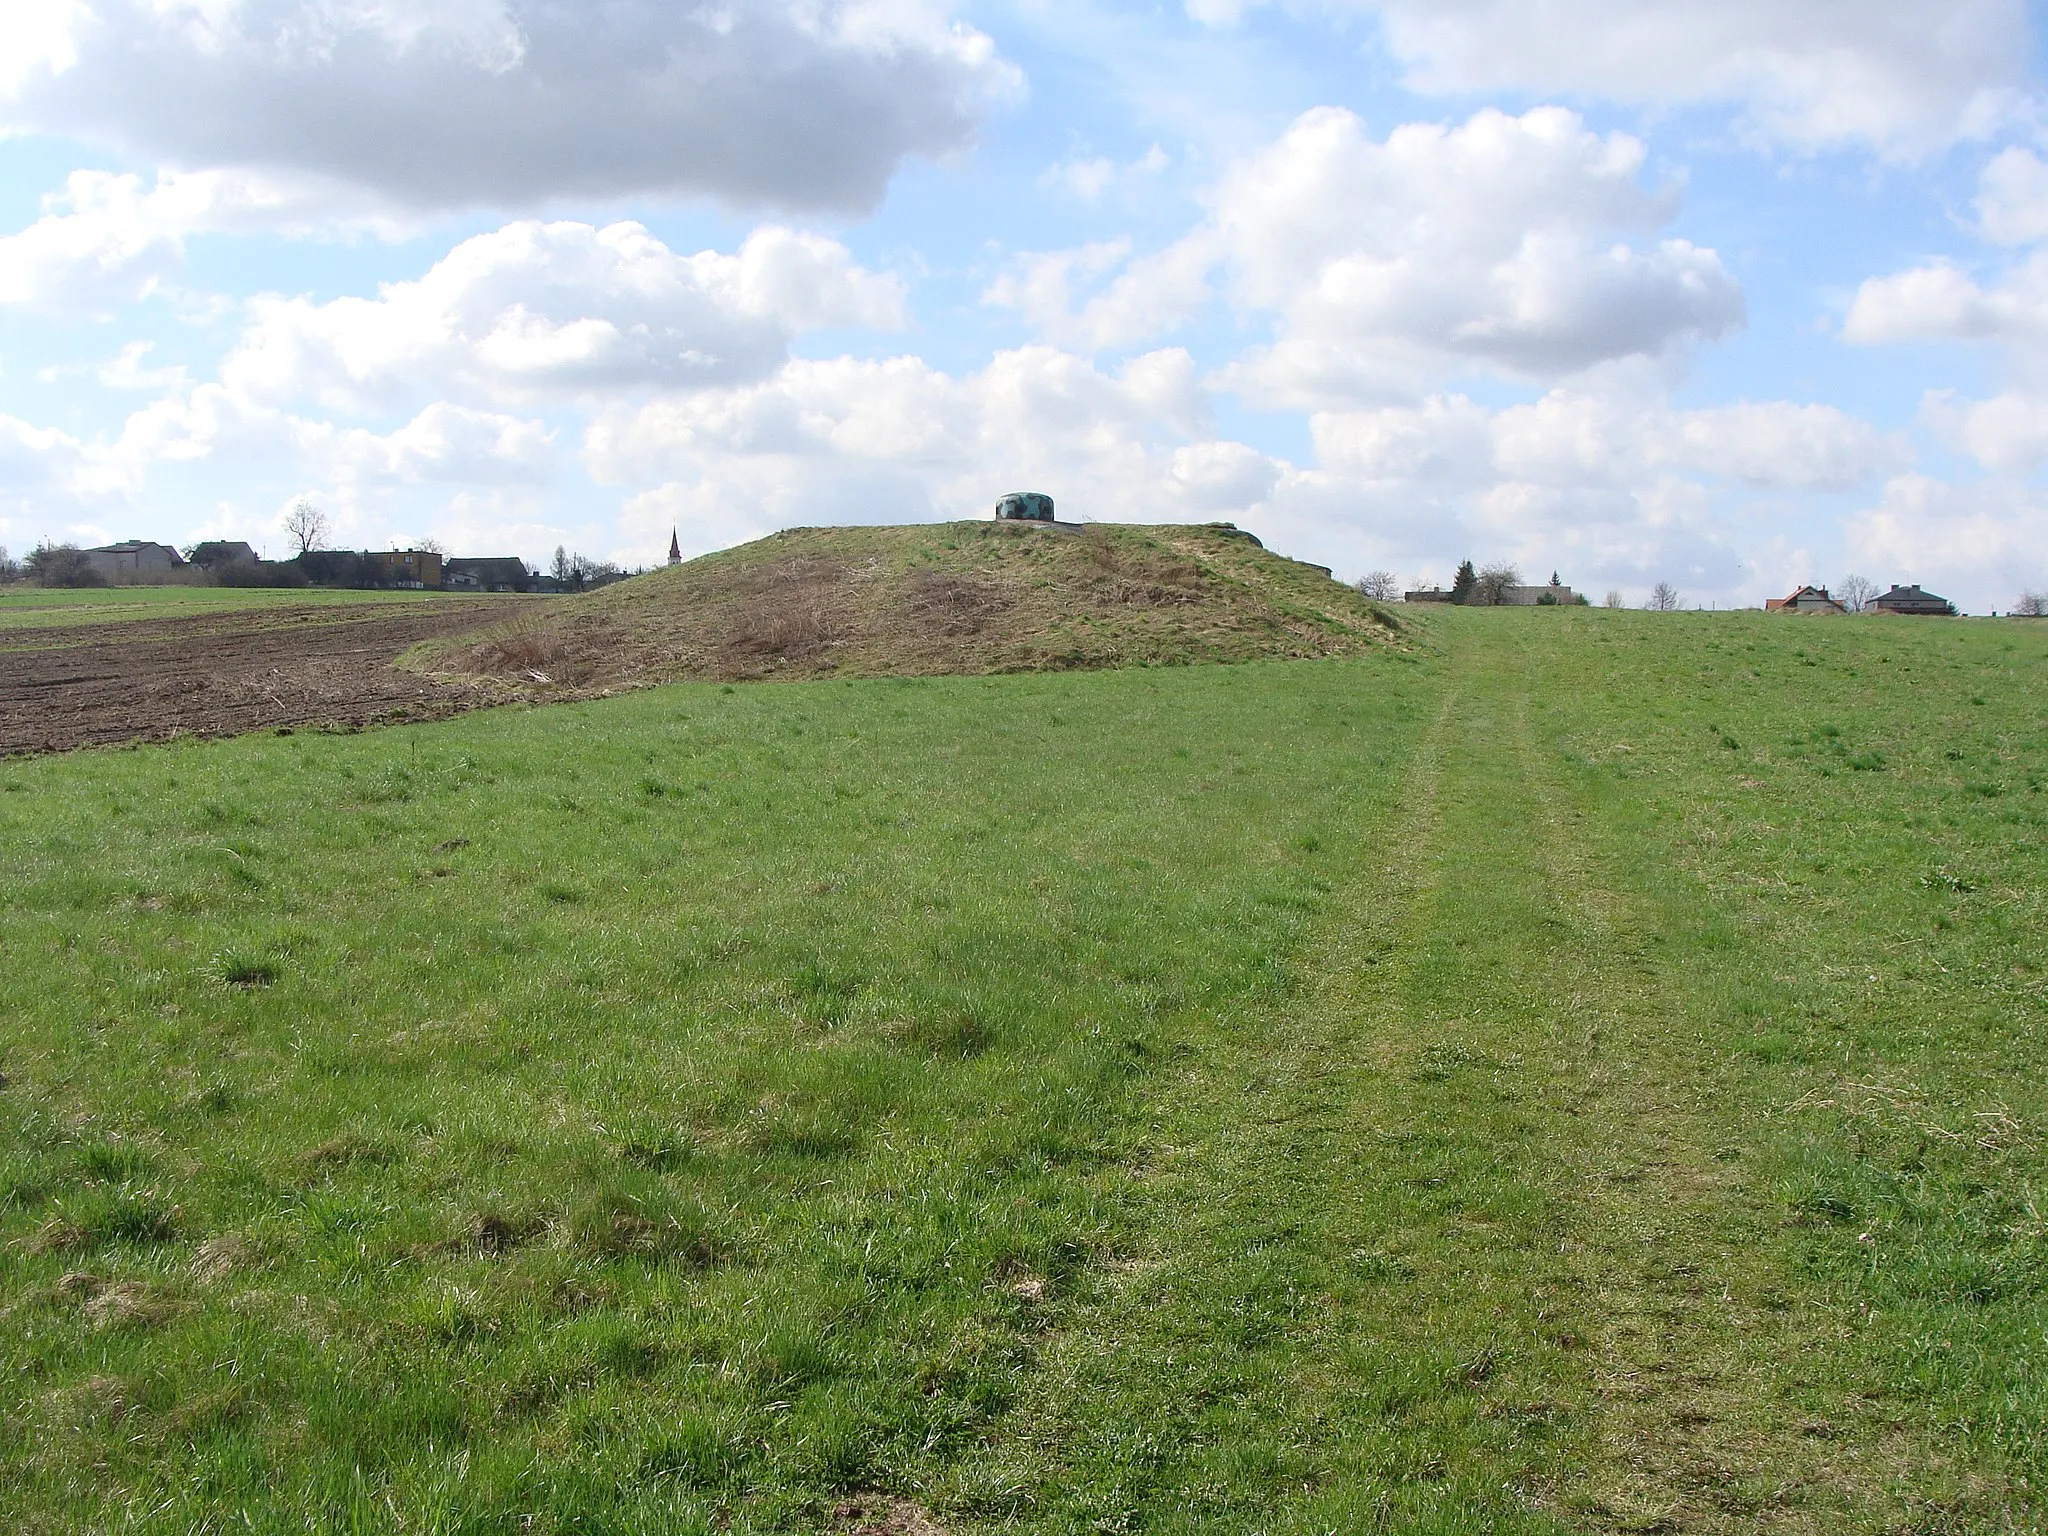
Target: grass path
1482,1234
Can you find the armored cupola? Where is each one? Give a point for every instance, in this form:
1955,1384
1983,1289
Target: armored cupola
1024,507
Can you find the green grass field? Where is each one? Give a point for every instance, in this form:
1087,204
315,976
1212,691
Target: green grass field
1580,1075
23,607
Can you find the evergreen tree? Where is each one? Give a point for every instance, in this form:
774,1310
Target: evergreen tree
1463,583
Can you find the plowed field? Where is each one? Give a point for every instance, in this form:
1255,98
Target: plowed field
221,674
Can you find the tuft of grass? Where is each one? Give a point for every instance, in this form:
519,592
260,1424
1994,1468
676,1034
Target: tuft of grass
246,971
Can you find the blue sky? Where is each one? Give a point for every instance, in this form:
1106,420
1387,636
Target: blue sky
1733,297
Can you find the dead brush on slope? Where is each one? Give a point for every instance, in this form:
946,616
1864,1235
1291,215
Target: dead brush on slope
786,612
955,605
1140,581
578,656
512,655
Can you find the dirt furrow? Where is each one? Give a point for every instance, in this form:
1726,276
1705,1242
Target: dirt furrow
104,684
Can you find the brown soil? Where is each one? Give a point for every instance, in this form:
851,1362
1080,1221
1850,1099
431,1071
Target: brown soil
222,674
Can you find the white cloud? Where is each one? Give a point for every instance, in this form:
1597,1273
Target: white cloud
97,244
2012,198
1486,245
539,312
1088,178
33,457
461,103
108,239
1906,77
1040,284
1940,302
1574,440
126,370
1611,486
1489,246
1977,544
444,443
2007,433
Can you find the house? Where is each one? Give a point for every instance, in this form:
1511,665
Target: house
1805,600
405,567
216,552
486,573
134,560
1913,600
1544,596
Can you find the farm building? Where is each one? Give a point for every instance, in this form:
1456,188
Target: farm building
486,573
134,560
1553,592
1913,600
223,552
405,567
1805,600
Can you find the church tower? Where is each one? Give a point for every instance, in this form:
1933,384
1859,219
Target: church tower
675,550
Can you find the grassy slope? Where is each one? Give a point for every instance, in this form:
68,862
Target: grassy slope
41,608
956,599
1582,1078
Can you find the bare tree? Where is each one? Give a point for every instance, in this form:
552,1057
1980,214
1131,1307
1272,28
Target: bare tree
430,547
1615,599
1491,589
306,525
9,570
1385,586
1663,598
2032,605
1855,593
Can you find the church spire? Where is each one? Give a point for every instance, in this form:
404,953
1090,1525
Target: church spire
675,549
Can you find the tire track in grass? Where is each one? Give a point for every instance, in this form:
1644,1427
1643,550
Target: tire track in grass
1457,1242
1320,1288
1719,1382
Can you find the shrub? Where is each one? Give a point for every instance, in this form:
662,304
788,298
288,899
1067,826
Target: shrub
62,565
260,573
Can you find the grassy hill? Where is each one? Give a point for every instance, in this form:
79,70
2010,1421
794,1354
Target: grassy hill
1581,1076
930,599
